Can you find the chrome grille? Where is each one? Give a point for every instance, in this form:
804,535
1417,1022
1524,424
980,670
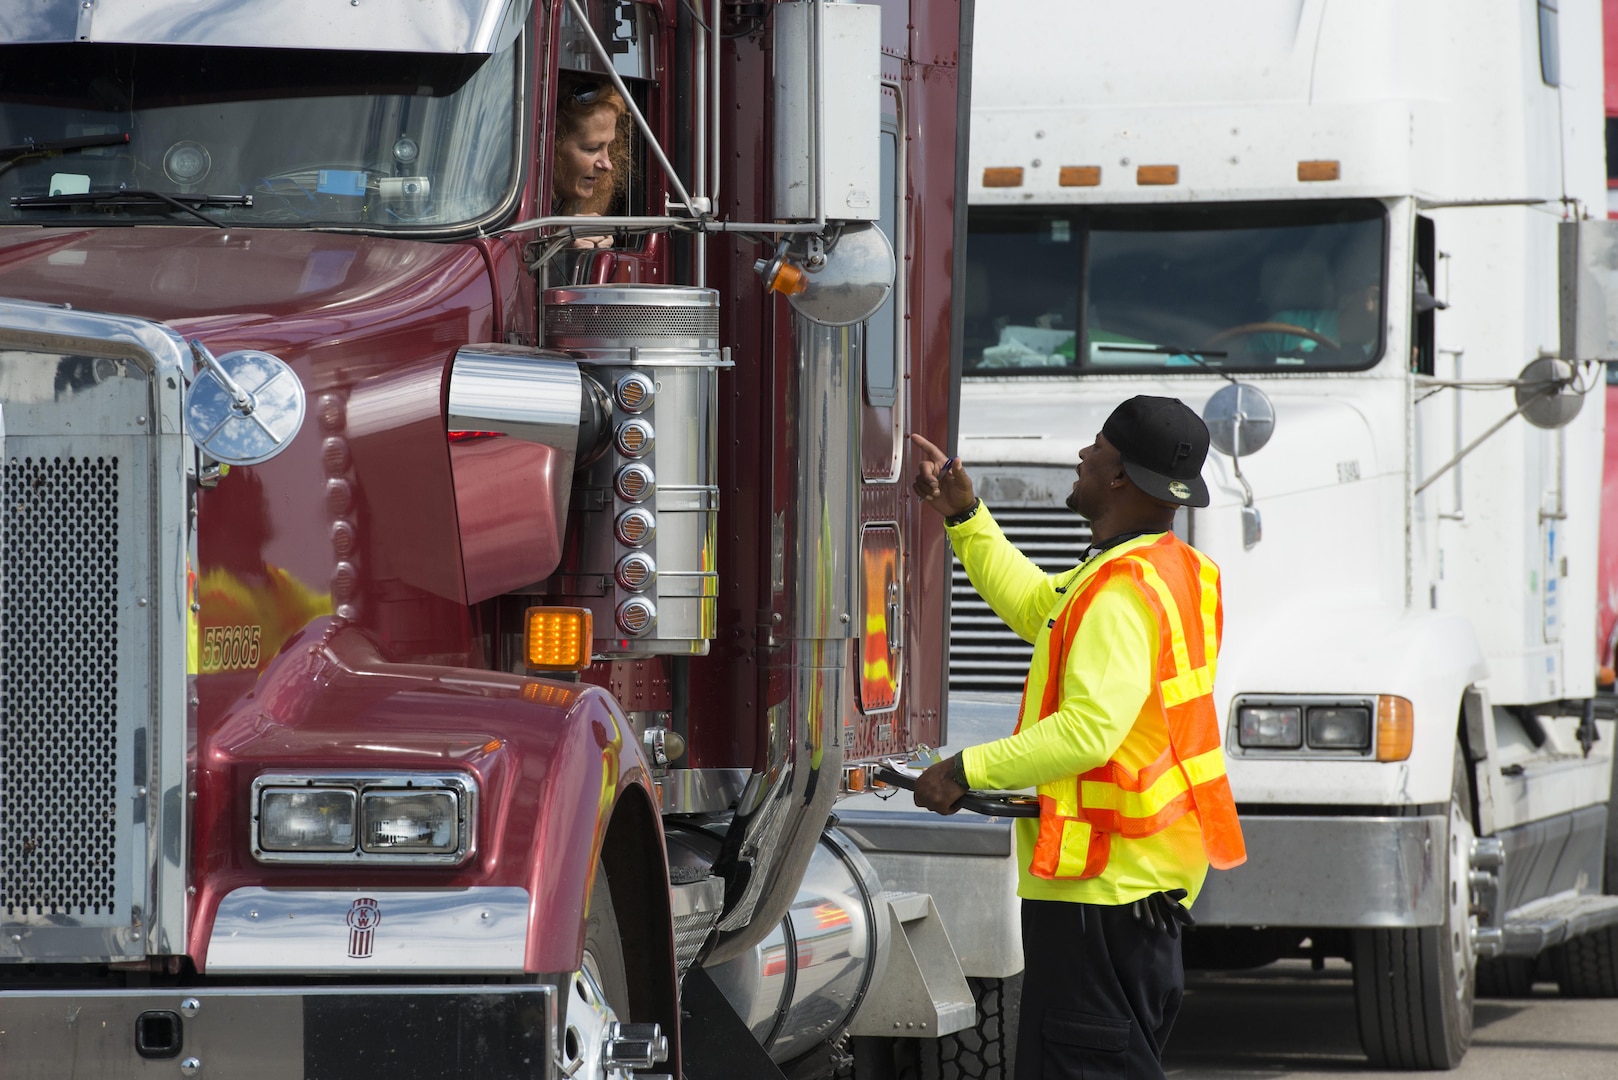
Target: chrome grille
984,655
59,716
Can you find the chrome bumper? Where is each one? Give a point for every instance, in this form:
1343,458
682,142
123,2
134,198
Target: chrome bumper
1348,872
304,1033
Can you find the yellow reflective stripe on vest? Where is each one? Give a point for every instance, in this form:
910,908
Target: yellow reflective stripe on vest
1208,575
1103,795
1190,682
1206,766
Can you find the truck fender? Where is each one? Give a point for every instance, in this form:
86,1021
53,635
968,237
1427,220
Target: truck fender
561,783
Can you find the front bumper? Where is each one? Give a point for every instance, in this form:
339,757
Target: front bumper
302,1033
1343,872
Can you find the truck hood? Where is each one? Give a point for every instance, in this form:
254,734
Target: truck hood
369,325
226,281
1029,423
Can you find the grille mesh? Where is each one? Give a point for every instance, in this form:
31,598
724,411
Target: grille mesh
59,664
640,321
984,655
690,934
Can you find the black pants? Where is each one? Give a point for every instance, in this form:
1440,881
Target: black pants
1100,992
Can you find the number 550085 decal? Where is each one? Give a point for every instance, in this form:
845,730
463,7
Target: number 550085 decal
230,648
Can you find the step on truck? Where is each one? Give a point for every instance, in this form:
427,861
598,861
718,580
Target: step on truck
432,642
1367,242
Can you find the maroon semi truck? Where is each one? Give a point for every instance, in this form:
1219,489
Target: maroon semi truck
428,647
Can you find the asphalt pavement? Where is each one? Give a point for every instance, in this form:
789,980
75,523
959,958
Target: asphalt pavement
1286,1021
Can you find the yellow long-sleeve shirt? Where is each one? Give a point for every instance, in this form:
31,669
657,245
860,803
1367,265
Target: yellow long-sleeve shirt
1108,710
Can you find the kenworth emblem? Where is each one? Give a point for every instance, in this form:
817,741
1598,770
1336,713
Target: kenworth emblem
363,919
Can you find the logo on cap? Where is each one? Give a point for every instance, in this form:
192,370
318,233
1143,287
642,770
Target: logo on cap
1179,490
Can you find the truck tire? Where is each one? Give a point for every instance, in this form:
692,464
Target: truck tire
988,1049
1413,989
1587,966
1506,977
599,991
985,1051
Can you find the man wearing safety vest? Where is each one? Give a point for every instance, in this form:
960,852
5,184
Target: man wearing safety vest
1118,734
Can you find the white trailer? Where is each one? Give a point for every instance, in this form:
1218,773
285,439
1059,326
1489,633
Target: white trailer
1358,237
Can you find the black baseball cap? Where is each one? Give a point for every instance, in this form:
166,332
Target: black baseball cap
1163,444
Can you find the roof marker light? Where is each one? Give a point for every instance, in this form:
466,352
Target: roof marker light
1157,174
1318,170
1080,176
1004,176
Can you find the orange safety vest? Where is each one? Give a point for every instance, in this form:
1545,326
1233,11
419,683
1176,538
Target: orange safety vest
1078,816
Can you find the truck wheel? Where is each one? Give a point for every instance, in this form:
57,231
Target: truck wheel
988,1049
1413,989
599,992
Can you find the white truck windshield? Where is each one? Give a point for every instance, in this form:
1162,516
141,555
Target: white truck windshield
187,135
1108,290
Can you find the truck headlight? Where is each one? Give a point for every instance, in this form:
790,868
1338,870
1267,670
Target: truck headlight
381,818
1277,727
1339,727
300,819
420,822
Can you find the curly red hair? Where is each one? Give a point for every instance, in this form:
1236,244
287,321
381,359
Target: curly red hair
571,115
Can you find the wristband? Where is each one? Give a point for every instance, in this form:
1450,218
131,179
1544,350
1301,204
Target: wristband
957,772
965,515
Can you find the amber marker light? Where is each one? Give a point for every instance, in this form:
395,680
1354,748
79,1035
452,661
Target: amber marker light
1318,170
1395,728
1079,176
1157,174
1003,176
557,639
790,280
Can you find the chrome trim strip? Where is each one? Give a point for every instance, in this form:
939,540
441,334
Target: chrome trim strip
419,931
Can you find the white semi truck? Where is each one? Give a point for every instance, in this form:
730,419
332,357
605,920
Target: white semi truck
1358,237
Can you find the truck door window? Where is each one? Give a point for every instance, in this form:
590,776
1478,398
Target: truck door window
881,360
380,141
1125,289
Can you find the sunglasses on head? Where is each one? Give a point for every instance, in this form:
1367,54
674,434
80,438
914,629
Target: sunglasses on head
584,95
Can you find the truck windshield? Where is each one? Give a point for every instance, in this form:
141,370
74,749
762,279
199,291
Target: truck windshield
260,137
1108,290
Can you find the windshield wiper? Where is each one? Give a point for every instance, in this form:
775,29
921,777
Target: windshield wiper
52,147
128,197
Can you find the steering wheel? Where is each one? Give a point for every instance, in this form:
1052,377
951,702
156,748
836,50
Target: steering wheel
1246,329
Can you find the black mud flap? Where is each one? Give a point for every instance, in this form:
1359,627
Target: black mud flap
715,1044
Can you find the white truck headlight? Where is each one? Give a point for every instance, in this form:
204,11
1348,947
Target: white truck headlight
417,822
1339,727
1278,727
352,817
305,819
